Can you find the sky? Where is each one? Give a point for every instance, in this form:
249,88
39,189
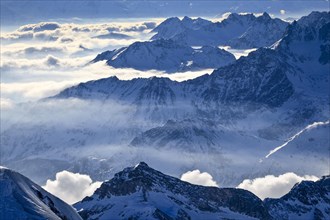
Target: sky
18,12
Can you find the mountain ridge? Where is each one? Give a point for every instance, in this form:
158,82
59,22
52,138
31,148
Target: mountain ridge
240,31
141,192
166,197
166,55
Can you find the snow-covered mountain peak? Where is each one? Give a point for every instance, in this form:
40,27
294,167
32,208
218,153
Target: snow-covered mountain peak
237,31
144,193
265,15
141,165
3,168
186,18
173,26
238,16
134,175
188,21
166,55
172,19
168,22
194,23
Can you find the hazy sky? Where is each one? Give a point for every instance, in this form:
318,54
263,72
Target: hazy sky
17,12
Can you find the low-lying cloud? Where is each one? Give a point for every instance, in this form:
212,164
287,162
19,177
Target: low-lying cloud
52,31
32,91
43,26
40,60
71,187
198,178
30,80
272,186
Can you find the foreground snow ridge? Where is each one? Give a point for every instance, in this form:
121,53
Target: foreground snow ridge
20,198
141,192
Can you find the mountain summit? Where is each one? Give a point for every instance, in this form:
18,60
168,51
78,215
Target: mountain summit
141,192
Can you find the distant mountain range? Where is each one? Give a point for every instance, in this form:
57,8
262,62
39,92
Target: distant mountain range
166,55
237,30
269,77
141,192
242,110
173,47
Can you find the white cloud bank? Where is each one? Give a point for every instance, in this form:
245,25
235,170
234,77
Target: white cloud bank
40,60
71,187
198,178
273,186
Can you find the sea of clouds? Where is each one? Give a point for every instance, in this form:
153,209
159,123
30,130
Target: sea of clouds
49,56
39,60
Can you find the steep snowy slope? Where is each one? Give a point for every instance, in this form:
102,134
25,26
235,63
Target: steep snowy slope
20,198
166,55
264,31
306,46
306,200
141,192
237,31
